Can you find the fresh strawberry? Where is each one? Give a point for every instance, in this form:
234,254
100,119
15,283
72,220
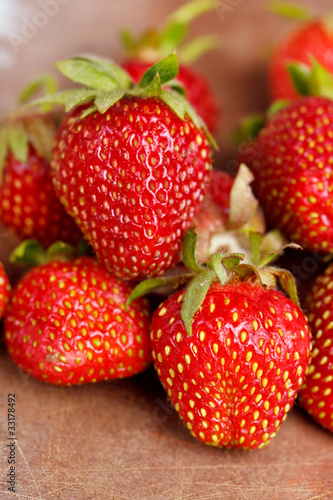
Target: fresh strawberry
291,160
197,90
313,38
4,290
231,351
316,395
130,166
154,44
67,323
28,204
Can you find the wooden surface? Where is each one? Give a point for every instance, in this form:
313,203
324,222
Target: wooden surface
122,440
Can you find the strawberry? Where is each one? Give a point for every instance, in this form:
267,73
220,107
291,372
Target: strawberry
231,351
67,324
154,44
311,38
28,204
316,395
291,160
130,165
4,290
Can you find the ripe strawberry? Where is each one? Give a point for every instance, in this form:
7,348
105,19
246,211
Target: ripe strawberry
67,323
4,290
197,89
315,39
316,395
291,160
130,166
155,43
231,351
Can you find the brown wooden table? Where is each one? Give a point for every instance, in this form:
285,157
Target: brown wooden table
122,440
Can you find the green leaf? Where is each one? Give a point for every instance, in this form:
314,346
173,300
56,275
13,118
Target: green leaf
88,111
61,98
178,87
194,296
107,99
277,106
167,68
152,90
320,80
188,253
273,255
29,252
287,282
176,102
153,284
299,74
219,268
190,10
243,203
232,261
87,73
116,72
18,142
79,96
196,48
46,82
127,40
3,148
249,128
41,134
255,241
290,10
60,251
171,38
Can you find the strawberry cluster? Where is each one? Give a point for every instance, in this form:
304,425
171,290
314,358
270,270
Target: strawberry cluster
125,176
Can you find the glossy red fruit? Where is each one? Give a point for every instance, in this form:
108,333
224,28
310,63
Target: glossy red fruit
198,91
133,179
234,380
312,39
28,204
4,290
67,323
316,395
292,160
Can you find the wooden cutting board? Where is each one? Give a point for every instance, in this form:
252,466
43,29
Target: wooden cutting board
122,440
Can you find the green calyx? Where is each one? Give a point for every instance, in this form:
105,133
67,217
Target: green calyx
104,83
290,10
30,253
155,44
222,268
312,80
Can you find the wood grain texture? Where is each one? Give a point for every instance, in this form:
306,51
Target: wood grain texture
122,440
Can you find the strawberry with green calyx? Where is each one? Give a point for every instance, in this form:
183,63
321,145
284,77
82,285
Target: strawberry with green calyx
316,395
155,44
312,37
130,163
28,204
66,322
4,290
229,214
231,350
291,160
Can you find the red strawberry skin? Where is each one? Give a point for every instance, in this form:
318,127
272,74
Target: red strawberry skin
316,395
292,160
311,39
29,205
236,377
133,179
66,323
4,290
198,91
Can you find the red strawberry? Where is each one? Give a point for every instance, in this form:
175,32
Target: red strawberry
28,203
232,356
311,39
4,290
132,173
67,323
292,160
197,88
316,395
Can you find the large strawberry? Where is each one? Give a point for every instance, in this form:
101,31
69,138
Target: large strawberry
28,203
154,44
130,164
67,323
231,351
291,160
316,395
310,38
4,290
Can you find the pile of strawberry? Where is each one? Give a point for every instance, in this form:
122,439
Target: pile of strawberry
116,198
